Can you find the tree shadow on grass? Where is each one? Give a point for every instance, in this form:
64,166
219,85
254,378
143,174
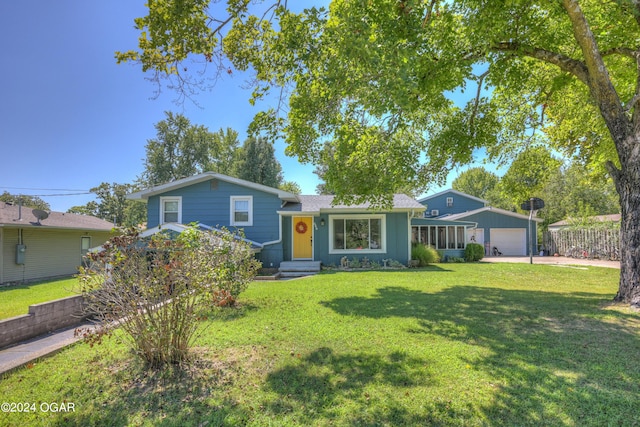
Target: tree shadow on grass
557,358
331,387
172,396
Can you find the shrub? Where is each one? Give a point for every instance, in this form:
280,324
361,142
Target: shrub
155,289
473,252
425,254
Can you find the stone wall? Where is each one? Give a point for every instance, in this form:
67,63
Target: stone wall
42,318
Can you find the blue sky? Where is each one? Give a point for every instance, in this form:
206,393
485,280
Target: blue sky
71,118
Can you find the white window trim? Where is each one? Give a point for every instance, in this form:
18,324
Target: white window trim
449,202
232,220
170,199
383,235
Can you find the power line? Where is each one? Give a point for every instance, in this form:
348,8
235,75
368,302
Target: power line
44,189
56,195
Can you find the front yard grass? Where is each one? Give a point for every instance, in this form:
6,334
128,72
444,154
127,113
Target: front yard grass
452,344
15,300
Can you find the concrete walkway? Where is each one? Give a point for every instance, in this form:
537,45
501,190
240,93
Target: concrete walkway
27,351
554,260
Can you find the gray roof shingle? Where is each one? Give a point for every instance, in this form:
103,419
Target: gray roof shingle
14,216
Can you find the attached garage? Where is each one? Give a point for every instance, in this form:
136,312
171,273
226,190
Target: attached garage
508,231
509,241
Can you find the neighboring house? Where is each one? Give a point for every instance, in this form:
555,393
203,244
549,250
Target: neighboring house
598,219
282,226
504,230
34,249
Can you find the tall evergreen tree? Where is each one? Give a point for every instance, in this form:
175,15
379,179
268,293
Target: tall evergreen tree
258,163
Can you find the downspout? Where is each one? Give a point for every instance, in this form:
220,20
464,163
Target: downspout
1,255
409,216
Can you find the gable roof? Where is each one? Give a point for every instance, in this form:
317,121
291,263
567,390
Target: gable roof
174,228
207,176
452,191
322,203
489,209
15,216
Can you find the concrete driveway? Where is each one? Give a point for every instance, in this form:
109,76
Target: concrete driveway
554,260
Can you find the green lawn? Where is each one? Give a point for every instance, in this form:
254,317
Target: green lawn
456,344
15,300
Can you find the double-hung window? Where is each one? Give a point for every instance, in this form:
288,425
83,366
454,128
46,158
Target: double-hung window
170,209
357,233
85,245
241,211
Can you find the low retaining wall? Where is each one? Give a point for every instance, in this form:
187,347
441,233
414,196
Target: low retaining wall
42,318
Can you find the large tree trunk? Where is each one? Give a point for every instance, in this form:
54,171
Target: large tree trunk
628,185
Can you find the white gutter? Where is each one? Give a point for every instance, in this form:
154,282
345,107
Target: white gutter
409,216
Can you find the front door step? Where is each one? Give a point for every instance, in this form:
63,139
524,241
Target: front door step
299,268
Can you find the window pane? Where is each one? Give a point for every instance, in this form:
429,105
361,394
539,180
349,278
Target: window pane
375,236
442,238
423,236
338,234
241,205
357,233
171,206
241,216
86,244
414,234
432,236
452,237
171,217
460,237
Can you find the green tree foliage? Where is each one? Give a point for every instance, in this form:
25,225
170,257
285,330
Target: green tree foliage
33,202
224,152
113,206
375,78
481,183
291,187
257,163
156,289
91,208
528,175
179,150
575,192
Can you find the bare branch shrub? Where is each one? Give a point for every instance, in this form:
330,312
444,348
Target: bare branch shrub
156,288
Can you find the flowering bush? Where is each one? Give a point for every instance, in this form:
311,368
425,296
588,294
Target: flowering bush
156,288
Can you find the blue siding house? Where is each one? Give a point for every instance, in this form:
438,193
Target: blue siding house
450,202
282,226
501,232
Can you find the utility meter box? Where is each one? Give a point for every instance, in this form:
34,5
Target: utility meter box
20,251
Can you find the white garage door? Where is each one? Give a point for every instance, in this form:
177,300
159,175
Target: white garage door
509,241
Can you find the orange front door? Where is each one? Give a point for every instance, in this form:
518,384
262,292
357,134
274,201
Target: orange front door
302,237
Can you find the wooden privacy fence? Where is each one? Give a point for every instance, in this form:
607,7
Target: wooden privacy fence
584,243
